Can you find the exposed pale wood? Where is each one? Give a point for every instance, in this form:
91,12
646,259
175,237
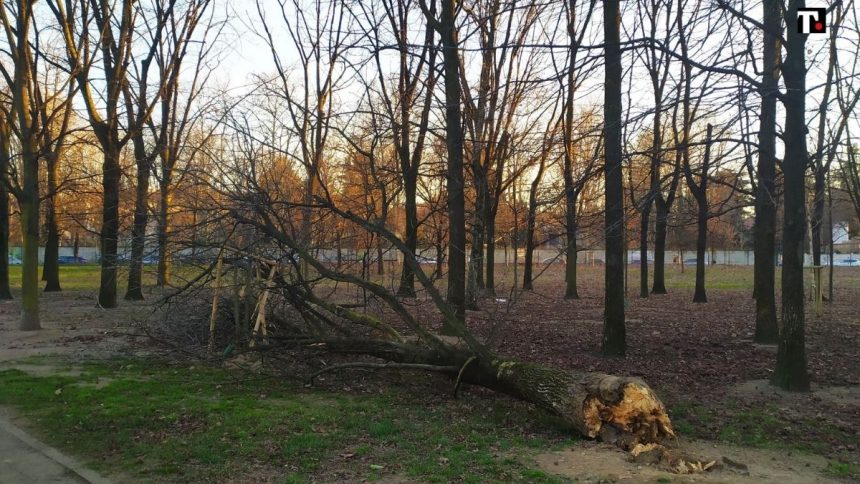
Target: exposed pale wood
260,324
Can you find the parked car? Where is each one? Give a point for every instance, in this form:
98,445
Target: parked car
650,259
425,260
551,260
14,261
70,259
847,262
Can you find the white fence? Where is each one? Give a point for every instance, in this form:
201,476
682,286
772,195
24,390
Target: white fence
541,256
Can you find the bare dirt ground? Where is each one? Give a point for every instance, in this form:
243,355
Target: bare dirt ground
72,325
595,463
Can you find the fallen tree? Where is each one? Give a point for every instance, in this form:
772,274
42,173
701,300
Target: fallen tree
305,305
621,410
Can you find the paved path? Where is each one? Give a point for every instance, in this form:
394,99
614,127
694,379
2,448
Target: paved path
24,460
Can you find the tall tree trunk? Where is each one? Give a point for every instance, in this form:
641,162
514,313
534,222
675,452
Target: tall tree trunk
528,260
644,219
531,222
817,213
790,372
570,290
490,281
111,174
700,192
134,292
570,189
51,267
614,331
28,193
829,240
701,247
29,203
764,230
447,28
5,290
661,227
476,268
410,190
165,198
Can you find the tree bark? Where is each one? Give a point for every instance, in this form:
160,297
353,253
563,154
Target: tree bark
163,277
29,203
528,259
661,226
570,290
51,267
531,221
134,292
790,372
700,193
5,290
764,230
111,174
476,266
490,280
701,247
644,219
817,213
614,331
410,190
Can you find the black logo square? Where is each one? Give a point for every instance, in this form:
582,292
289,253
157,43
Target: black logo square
811,20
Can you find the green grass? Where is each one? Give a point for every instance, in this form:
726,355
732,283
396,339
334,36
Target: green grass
85,277
843,469
149,420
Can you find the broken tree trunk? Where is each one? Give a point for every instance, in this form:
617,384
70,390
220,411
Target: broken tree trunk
617,409
621,410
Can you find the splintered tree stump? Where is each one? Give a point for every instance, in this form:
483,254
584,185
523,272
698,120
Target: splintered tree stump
621,410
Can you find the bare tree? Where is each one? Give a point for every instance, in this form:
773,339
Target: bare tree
573,184
766,329
168,42
28,122
446,26
790,372
98,32
182,119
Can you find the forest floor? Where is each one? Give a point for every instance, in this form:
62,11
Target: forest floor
90,384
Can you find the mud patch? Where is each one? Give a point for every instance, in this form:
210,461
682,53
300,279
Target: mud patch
592,462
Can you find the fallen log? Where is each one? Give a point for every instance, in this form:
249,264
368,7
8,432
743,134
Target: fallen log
621,410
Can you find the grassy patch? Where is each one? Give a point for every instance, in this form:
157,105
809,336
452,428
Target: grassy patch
85,277
762,427
843,469
150,421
